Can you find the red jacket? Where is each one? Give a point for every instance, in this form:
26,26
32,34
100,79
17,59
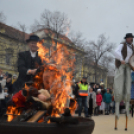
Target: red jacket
18,99
98,99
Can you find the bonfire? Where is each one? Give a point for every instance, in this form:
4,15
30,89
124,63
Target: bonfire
56,76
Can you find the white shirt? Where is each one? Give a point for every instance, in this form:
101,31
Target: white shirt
118,54
33,54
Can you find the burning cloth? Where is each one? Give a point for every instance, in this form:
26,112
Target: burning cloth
39,99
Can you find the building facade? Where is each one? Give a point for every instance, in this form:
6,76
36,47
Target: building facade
12,41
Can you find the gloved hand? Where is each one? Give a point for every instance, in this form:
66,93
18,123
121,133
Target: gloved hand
30,99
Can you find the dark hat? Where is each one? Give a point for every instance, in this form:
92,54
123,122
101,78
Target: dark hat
129,35
9,75
33,38
84,77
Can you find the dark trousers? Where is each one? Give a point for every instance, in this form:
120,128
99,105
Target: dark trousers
82,102
107,107
96,111
2,107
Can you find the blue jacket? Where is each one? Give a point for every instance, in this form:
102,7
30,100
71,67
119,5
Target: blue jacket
107,98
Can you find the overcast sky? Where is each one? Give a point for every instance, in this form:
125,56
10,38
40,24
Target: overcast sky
114,18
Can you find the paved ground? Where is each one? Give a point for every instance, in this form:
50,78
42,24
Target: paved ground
104,124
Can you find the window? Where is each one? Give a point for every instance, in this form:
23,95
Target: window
9,55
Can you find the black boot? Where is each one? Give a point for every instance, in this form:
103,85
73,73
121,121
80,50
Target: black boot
105,112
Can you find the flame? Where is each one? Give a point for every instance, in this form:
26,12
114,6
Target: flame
12,112
41,120
48,121
58,74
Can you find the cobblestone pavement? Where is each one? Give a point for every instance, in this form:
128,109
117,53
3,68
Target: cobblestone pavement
104,124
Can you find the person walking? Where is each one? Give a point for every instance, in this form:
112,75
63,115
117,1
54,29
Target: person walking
122,79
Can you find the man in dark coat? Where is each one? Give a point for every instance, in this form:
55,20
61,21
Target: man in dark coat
28,63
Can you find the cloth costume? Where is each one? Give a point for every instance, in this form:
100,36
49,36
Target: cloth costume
122,79
20,100
132,86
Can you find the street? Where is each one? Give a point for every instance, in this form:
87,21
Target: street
105,125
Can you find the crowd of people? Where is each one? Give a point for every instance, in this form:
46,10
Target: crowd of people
96,99
6,89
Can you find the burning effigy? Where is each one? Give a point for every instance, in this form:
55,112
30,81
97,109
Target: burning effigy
47,99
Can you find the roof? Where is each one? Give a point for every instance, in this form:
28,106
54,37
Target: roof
13,32
61,38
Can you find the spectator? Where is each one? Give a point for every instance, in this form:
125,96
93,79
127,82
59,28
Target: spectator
9,84
91,100
103,91
82,93
2,97
14,78
107,99
97,86
98,101
6,95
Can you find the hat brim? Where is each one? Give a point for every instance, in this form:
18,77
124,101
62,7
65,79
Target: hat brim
28,40
129,37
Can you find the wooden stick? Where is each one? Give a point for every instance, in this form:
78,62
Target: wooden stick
115,122
37,116
126,122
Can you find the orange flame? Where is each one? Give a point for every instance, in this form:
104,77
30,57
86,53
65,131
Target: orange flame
12,112
57,77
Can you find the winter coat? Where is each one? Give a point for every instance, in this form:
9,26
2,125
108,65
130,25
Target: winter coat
107,98
93,97
98,99
25,63
3,84
103,91
76,92
19,99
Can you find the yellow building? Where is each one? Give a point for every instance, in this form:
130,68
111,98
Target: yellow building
88,70
12,41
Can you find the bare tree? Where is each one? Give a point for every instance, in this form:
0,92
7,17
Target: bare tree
55,21
78,39
99,50
2,17
56,25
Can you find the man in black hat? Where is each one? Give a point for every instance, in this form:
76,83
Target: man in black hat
27,63
122,79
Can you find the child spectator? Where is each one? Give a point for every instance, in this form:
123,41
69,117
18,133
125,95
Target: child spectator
98,101
103,91
6,95
107,99
91,100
